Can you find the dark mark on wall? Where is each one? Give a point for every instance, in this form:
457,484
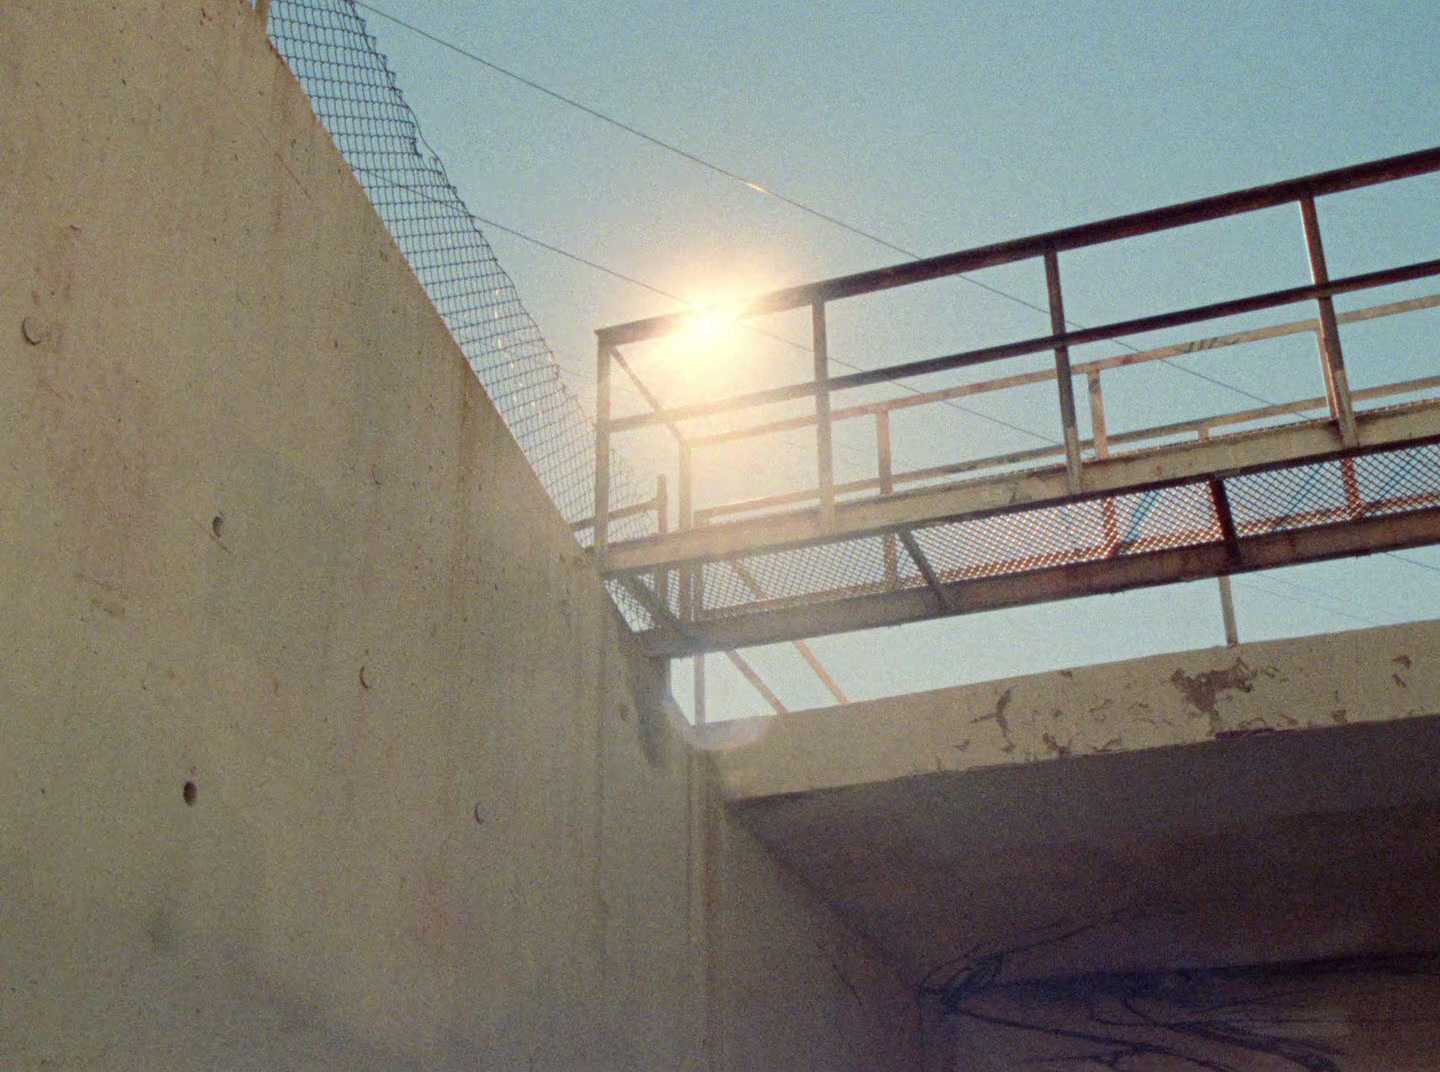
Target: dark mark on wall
1203,690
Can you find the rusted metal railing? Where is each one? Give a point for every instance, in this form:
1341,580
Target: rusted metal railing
1074,450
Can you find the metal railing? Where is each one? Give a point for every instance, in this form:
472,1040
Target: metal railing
1077,452
1047,248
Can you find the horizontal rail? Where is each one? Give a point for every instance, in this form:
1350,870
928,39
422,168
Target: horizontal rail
1131,471
928,366
615,515
1084,368
1142,435
1129,226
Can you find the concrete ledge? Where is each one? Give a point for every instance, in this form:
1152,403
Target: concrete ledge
1372,675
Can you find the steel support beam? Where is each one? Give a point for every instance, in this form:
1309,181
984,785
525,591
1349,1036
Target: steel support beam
1130,472
1267,551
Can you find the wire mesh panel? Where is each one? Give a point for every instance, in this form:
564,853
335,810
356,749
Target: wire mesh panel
1114,527
1369,485
1085,531
1301,496
781,578
355,95
1399,481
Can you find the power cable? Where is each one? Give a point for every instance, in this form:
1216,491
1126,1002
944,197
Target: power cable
795,203
1307,602
808,210
1413,562
542,244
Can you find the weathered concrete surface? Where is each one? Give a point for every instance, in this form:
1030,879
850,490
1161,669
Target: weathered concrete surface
945,825
1370,675
318,748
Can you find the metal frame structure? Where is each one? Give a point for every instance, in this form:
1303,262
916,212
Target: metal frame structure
1100,473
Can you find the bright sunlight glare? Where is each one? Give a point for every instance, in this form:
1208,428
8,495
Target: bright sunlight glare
700,360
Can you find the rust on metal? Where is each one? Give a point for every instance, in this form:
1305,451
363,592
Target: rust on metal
1285,481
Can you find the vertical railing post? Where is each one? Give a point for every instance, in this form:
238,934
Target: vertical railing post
1332,360
685,517
1063,378
1100,437
1226,518
1227,611
1099,433
602,452
689,598
697,605
887,485
662,526
824,448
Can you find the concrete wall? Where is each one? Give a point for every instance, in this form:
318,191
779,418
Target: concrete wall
319,745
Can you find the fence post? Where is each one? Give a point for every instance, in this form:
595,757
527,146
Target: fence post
824,449
1332,361
1063,379
602,452
662,526
689,596
887,486
1099,433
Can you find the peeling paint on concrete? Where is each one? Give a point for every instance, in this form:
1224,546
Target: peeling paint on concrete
1055,747
1203,691
1308,683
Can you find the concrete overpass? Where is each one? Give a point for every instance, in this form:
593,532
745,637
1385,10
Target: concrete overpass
1261,804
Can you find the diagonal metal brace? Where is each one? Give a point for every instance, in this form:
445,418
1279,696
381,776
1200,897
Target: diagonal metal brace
655,607
926,570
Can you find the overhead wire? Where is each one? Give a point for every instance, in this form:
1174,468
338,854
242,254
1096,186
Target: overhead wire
587,262
380,176
1411,561
815,213
793,202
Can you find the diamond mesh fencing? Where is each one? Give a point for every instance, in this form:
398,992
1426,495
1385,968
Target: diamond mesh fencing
1027,540
785,578
1305,496
1087,531
354,93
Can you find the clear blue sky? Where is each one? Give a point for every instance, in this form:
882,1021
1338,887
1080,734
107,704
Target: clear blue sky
938,126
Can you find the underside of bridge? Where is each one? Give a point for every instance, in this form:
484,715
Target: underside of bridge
1266,803
1135,825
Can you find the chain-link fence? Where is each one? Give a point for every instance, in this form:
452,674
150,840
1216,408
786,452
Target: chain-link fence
354,93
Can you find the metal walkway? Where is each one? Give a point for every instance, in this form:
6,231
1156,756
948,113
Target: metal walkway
1349,472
